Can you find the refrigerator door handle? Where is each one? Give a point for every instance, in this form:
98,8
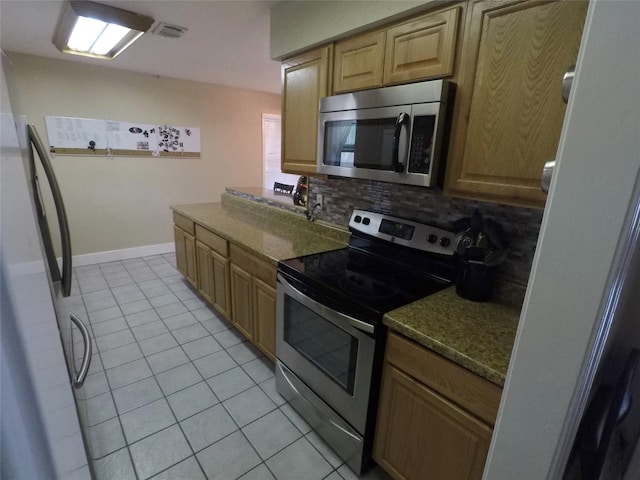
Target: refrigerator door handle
65,278
88,351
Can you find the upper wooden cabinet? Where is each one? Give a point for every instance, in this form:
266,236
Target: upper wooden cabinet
508,110
421,48
305,79
358,62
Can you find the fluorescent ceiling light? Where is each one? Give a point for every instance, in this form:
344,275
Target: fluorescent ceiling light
96,30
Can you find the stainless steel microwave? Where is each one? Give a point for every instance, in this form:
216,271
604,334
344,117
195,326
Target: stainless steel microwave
391,134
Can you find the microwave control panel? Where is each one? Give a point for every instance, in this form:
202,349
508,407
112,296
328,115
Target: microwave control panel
420,153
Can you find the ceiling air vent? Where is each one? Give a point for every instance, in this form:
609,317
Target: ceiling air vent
169,31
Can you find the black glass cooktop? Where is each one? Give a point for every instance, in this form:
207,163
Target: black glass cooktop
369,285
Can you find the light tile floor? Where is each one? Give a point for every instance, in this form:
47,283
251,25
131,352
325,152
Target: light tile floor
174,392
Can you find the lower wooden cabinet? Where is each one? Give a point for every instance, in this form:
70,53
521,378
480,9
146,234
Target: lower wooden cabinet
264,314
438,425
221,291
241,286
213,278
241,301
253,294
185,254
205,271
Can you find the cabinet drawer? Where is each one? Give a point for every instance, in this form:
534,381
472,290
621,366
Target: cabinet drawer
213,241
184,223
253,265
459,385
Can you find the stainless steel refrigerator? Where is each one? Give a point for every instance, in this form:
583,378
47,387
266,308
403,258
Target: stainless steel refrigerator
40,394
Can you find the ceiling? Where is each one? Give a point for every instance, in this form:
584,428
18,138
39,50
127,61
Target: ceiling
227,42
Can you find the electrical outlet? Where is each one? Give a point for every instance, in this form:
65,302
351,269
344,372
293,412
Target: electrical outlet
320,200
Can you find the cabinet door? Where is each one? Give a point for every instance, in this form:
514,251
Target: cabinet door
422,435
181,250
241,298
264,309
422,48
509,110
204,269
305,79
221,296
358,62
190,259
186,254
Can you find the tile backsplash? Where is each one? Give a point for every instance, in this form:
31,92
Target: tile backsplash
522,225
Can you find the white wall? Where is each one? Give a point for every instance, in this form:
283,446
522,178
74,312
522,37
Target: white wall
577,255
297,26
124,202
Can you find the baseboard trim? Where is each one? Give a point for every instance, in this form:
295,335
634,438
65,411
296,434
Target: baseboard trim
122,254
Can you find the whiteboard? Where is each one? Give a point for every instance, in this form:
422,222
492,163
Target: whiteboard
69,132
69,135
131,136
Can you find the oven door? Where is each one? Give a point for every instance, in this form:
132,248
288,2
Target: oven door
330,352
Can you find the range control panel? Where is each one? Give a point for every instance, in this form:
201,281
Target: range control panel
403,232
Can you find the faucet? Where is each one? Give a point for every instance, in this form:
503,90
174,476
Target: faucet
311,214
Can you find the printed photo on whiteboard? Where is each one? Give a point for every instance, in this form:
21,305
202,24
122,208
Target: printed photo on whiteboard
130,136
178,140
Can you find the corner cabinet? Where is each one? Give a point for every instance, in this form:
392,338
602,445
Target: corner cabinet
435,419
253,294
509,111
305,79
184,236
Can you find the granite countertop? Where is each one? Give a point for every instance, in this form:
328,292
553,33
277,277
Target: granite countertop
268,233
477,336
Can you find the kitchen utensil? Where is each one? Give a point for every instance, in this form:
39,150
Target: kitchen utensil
476,224
495,233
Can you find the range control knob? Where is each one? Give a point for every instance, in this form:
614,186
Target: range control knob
444,241
432,238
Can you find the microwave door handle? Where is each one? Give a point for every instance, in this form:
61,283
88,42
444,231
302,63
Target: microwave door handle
401,121
60,210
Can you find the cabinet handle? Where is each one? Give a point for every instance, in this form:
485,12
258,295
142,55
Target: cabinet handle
86,357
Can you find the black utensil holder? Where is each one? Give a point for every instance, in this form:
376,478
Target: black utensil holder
474,280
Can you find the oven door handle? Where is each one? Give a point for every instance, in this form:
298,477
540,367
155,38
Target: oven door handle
323,309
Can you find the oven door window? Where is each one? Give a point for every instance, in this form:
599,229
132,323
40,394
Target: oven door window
329,348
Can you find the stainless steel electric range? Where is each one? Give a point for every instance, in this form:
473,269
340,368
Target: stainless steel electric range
329,332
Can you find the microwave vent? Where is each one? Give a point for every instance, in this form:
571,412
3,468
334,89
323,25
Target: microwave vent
169,31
